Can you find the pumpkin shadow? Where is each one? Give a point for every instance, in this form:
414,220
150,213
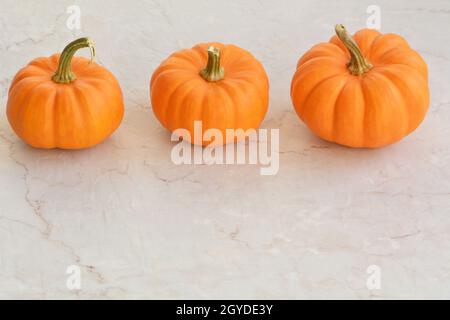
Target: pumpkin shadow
300,148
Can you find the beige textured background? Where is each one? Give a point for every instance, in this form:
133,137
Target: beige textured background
141,227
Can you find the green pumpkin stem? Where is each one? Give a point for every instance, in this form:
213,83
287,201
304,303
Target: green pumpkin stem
358,64
64,73
213,71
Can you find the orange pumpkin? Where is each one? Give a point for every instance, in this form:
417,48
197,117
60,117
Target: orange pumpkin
64,101
223,86
367,91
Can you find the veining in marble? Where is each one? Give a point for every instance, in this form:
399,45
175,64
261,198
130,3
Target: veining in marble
139,226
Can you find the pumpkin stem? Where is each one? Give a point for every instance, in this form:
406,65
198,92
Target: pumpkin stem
213,71
64,73
358,64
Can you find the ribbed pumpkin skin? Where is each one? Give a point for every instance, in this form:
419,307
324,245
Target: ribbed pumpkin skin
77,115
372,110
180,96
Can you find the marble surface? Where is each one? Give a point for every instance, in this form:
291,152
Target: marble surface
139,226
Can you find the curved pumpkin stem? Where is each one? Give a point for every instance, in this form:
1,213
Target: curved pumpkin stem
213,71
64,73
358,64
